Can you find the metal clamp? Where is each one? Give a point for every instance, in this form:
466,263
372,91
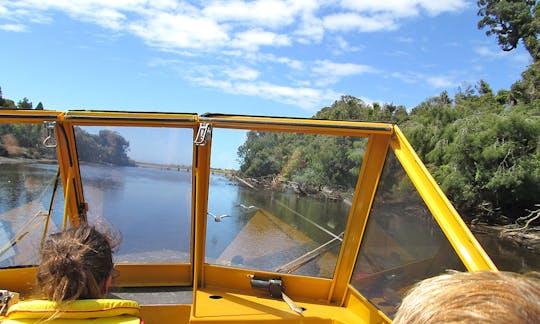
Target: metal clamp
203,135
276,290
50,141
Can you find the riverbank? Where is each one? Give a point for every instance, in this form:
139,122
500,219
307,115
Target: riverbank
21,160
276,183
528,238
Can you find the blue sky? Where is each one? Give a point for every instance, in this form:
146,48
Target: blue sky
263,57
267,57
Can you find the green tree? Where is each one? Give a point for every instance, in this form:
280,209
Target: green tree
107,147
484,89
24,104
512,21
39,106
527,89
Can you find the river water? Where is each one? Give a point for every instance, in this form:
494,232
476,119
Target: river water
151,207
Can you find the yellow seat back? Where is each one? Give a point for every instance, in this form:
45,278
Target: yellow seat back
78,311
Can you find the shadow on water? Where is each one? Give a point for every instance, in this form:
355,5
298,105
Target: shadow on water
508,256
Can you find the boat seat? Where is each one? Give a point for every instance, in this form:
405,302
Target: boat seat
79,311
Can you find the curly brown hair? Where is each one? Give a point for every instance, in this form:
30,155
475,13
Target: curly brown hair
75,264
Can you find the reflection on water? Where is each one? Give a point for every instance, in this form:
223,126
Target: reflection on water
152,209
25,196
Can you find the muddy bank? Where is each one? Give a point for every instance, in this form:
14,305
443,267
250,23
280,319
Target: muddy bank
528,238
278,184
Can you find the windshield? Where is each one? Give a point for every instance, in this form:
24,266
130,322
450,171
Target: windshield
285,205
28,176
402,243
137,182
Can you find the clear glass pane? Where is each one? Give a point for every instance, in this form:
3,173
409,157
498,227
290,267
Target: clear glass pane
286,200
138,180
403,243
28,172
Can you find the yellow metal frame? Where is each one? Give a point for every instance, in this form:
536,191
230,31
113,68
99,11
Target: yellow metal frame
334,296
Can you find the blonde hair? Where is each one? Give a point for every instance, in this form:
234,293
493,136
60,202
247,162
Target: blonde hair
473,297
75,264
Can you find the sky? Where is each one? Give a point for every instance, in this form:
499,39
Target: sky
261,57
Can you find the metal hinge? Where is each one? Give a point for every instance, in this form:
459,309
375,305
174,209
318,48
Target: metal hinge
203,135
49,141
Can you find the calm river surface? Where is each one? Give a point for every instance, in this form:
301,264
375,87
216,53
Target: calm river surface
151,207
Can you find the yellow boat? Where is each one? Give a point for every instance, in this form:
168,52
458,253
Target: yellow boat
203,244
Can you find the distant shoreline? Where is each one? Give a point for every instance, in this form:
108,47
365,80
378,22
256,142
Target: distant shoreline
162,166
21,160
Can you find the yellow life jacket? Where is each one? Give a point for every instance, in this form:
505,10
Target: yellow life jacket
109,311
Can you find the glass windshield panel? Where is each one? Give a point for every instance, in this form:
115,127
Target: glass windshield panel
28,173
280,201
402,244
138,181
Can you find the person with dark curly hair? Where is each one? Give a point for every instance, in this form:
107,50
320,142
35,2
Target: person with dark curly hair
73,278
76,264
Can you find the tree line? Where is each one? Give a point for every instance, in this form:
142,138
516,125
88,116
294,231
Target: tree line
26,140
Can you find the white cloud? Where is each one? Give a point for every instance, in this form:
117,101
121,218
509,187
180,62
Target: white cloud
242,73
361,23
269,13
310,29
292,64
405,8
494,53
440,81
343,46
341,69
330,72
180,31
486,51
13,27
432,81
251,40
305,97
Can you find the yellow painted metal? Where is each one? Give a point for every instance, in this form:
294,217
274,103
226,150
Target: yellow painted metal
158,314
21,280
366,186
202,176
153,274
28,116
297,125
111,118
467,247
66,197
359,305
238,306
68,163
219,277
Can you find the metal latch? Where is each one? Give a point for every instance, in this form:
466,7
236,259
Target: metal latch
7,298
276,289
49,141
203,135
